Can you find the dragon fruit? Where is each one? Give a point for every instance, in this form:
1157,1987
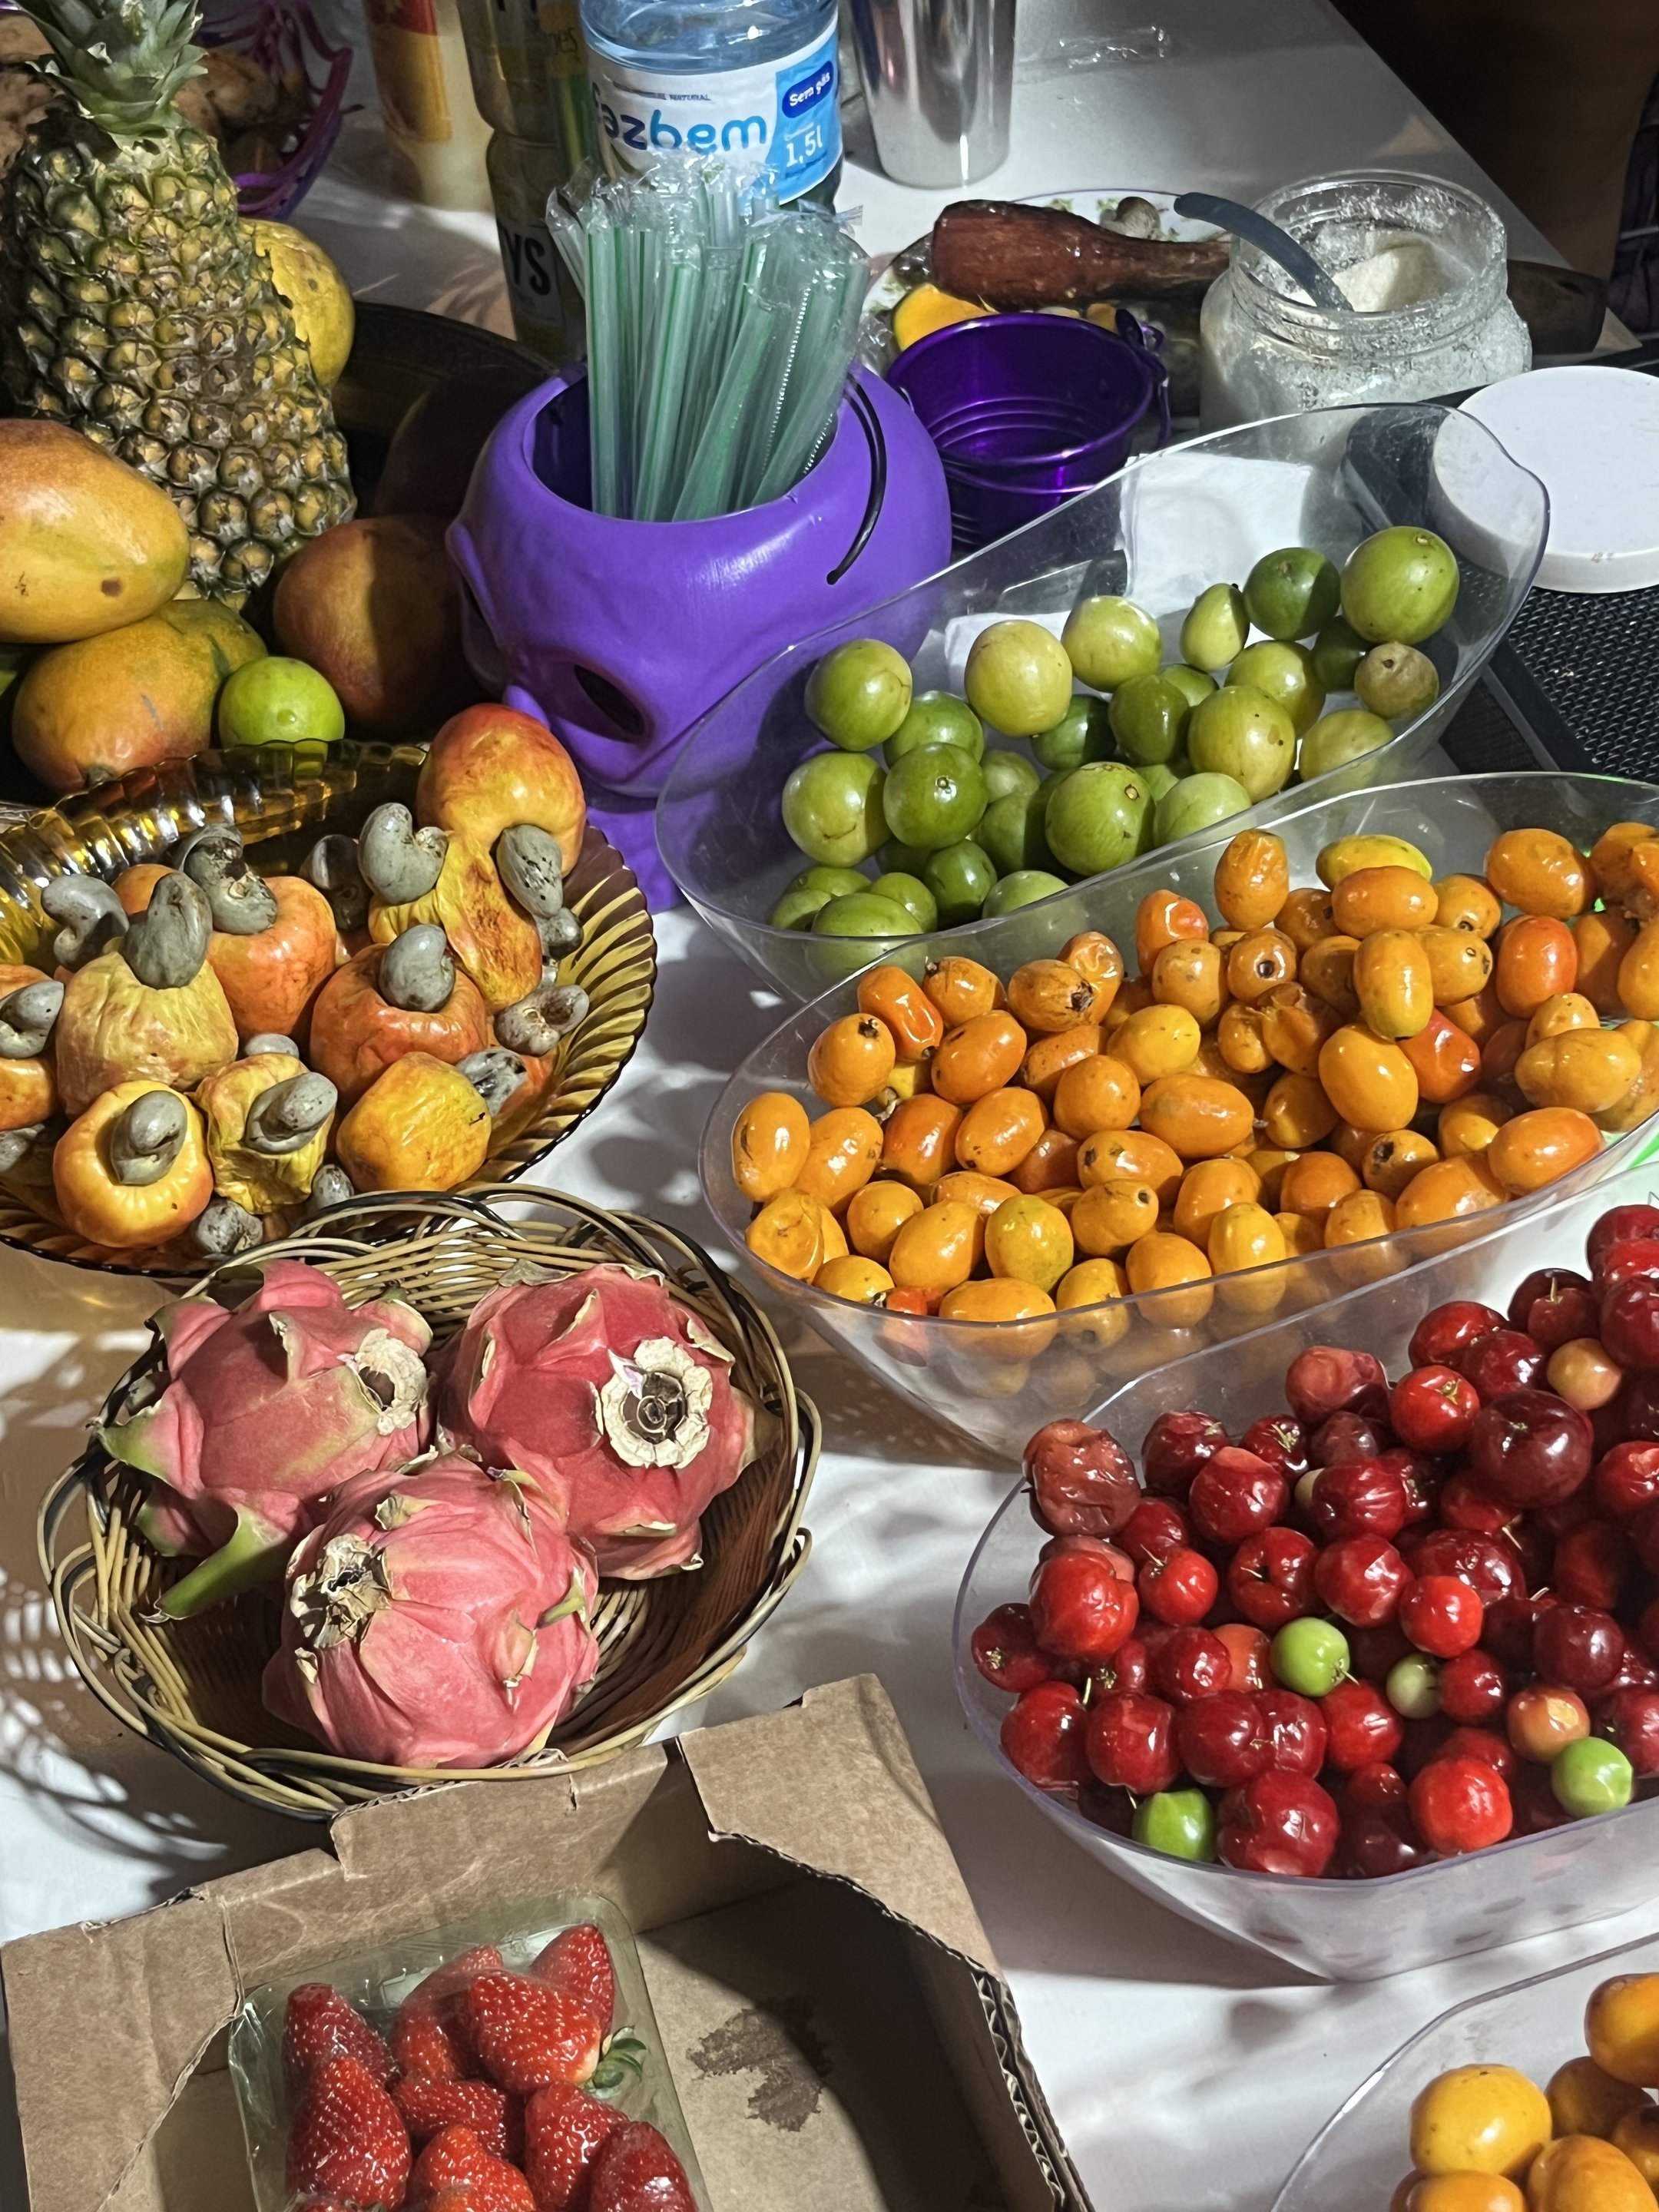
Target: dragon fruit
267,1410
615,1396
439,1617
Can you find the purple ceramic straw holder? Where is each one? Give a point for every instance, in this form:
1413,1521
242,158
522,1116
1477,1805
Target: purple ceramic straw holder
621,634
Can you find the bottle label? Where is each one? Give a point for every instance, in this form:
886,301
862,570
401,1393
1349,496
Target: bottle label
782,117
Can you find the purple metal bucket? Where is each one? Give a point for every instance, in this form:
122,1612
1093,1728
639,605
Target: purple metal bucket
619,636
1027,411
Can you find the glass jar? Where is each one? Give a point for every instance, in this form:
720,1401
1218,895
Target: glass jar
1424,260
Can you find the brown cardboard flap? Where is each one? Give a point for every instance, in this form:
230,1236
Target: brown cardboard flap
796,1791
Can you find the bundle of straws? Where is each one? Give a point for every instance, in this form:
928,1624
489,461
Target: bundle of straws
720,331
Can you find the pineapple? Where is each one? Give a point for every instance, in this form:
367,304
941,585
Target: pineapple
137,307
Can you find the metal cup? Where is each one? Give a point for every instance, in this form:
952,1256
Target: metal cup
938,79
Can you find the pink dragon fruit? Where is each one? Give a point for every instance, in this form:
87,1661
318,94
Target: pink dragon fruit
616,1397
437,1617
268,1410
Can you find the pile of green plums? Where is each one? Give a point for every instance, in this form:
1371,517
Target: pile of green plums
1149,752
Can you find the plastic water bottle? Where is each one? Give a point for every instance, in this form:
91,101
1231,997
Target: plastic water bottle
755,80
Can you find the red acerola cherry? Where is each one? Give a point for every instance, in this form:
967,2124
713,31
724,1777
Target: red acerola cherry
1644,1535
1464,1504
1593,1563
1221,1739
1270,1578
1363,1728
1079,1608
1126,1669
1536,1805
1096,1548
1626,1479
1176,1447
1422,1479
1236,1495
1579,1647
1627,1262
1155,1527
1105,1807
1131,1744
1005,1652
1362,1497
1297,1738
1432,1409
1441,1615
1489,1566
1461,1805
1630,1323
1553,1306
1621,1224
1042,1735
1191,1664
1280,1823
1377,1841
1178,1587
1482,1743
1083,1482
1373,1652
1629,1718
1360,1579
1370,1787
1445,1329
1472,1688
1279,1438
1505,1360
1647,1629
1251,1653
1530,1448
1511,1624
1325,1379
1348,1436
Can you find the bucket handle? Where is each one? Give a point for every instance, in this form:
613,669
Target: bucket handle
1150,341
869,422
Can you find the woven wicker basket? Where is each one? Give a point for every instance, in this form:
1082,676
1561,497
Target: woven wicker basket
193,1685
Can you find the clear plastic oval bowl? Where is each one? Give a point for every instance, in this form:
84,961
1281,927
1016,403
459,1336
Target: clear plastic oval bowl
1348,1931
1535,2025
996,1381
1160,530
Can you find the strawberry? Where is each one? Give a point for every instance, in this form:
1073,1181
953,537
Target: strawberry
637,2171
578,1962
564,2129
320,2024
528,2034
348,2138
429,2035
429,2102
455,2157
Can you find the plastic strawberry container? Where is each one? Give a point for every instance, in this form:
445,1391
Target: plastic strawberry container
1343,1930
377,1982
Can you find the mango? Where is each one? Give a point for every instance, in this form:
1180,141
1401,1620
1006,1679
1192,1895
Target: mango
86,545
1347,855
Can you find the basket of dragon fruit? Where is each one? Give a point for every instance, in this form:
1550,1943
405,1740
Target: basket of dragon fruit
471,1486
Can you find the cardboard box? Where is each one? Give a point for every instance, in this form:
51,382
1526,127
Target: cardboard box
838,2029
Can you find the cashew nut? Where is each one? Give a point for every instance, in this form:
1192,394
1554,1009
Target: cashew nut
26,1019
269,1041
223,1228
535,1023
416,971
527,861
332,1187
331,865
145,1138
14,1143
288,1116
166,944
92,918
241,902
560,933
399,862
494,1073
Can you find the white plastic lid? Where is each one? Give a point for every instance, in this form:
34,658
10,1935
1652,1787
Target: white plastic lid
1592,436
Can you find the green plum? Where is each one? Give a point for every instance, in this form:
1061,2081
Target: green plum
1192,683
1591,1776
1011,832
1107,639
1293,593
1024,888
1180,1823
1097,817
894,857
912,894
1197,802
1285,672
960,878
1336,739
1337,652
796,908
934,796
1082,733
1215,629
864,913
1310,1657
1399,584
832,806
1396,681
1241,733
1018,678
859,694
1159,776
832,882
936,718
1005,773
1413,1686
1148,717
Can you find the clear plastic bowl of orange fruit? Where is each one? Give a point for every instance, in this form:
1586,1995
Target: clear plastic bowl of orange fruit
1062,1172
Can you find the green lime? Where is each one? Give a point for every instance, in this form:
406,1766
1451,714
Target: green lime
1018,678
1293,593
1285,672
1396,681
895,858
1083,733
832,806
961,879
859,694
832,882
1591,1777
1310,1657
796,908
277,702
864,913
1401,583
1109,640
1024,888
934,796
1005,773
1214,631
1180,1823
912,894
1336,739
1242,733
1413,1686
1097,817
1148,717
1011,834
936,718
1197,802
1337,652
1192,683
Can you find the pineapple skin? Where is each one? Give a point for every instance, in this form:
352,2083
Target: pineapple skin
136,305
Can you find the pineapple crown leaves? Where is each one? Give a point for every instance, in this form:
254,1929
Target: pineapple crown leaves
121,64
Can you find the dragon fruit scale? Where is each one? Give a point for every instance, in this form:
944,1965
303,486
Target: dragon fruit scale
615,1396
268,1409
438,1617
